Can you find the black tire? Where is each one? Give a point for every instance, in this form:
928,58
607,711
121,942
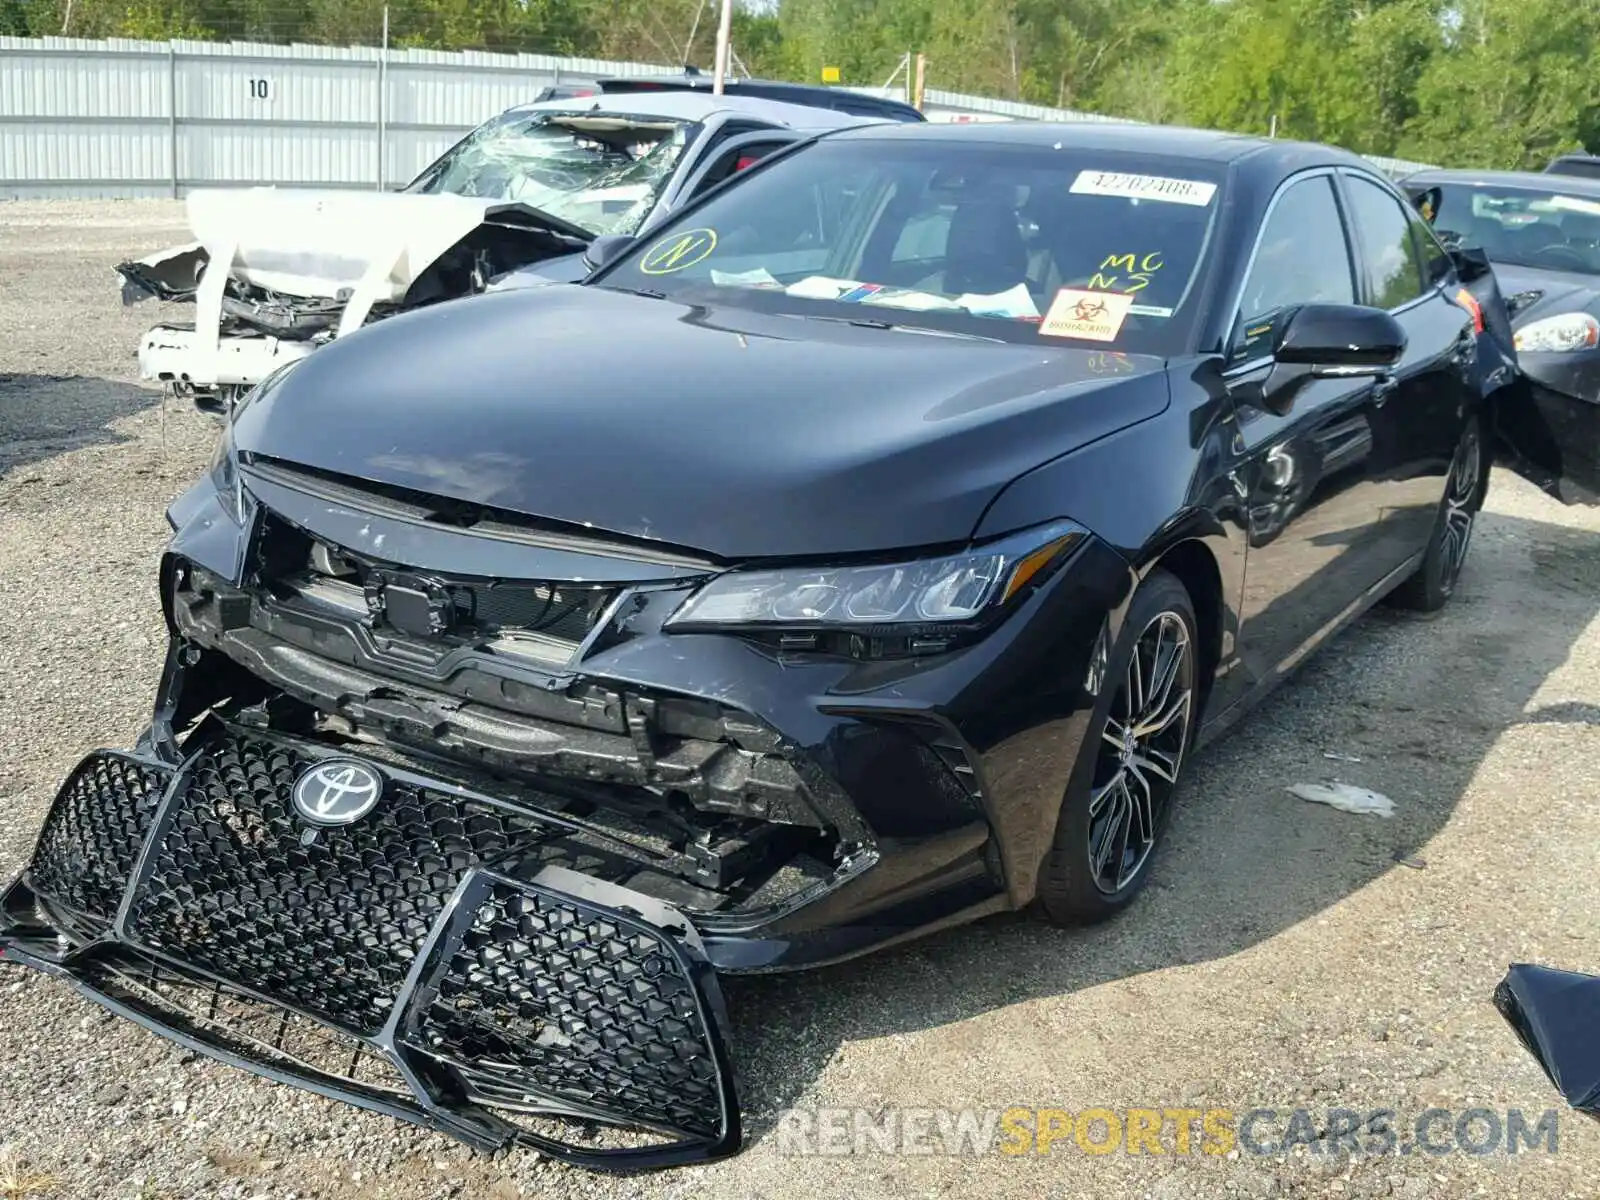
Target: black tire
1080,883
1429,589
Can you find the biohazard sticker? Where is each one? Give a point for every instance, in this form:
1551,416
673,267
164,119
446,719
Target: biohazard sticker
1093,316
1144,187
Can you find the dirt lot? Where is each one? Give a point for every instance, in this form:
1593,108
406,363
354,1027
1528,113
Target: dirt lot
1282,957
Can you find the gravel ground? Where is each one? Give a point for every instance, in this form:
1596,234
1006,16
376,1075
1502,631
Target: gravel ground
1282,956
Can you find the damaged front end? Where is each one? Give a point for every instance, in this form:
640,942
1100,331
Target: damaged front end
273,274
522,926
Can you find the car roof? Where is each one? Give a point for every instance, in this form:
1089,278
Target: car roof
1539,181
697,106
1269,155
809,94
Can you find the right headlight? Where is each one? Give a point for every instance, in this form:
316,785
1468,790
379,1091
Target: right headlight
1559,334
931,595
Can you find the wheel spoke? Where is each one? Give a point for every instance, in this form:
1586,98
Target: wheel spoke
1144,804
1124,873
1113,734
1164,674
1114,831
1135,685
1158,763
1163,721
1098,797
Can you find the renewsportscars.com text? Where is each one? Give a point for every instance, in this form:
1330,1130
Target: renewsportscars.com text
1171,1131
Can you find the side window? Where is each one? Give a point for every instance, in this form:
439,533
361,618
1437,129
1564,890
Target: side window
1388,251
732,161
1302,258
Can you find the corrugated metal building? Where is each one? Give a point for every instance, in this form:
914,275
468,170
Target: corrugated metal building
83,118
128,118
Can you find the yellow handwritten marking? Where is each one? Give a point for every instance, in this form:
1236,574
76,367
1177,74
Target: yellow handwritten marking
677,251
1139,269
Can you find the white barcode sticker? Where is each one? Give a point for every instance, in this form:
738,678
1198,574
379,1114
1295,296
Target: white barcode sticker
1144,187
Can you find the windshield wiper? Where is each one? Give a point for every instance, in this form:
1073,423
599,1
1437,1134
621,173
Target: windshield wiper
645,292
860,322
877,323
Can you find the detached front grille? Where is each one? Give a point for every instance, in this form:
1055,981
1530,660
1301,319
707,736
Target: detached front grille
436,958
92,837
328,920
593,1006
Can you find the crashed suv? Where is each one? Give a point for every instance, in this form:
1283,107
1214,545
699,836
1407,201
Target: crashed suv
275,273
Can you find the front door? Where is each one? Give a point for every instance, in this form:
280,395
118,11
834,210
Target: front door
1312,499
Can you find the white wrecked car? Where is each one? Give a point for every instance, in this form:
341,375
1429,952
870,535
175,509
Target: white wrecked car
274,273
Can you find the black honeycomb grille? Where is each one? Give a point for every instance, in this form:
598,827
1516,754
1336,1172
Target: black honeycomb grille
329,924
578,1003
93,835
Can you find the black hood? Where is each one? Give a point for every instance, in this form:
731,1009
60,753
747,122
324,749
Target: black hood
1538,293
735,433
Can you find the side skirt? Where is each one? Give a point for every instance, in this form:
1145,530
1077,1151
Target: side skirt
1215,728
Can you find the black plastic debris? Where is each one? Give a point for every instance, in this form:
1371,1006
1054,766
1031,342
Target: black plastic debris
1557,1014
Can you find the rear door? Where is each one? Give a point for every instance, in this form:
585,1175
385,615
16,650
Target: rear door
1422,410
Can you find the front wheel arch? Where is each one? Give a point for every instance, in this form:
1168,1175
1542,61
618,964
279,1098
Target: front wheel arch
1195,566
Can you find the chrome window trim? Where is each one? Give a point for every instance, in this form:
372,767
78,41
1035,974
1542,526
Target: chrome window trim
1429,290
1329,172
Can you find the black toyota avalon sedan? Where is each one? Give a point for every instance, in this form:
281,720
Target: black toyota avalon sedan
865,550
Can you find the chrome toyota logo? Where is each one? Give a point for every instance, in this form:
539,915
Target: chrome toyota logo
337,792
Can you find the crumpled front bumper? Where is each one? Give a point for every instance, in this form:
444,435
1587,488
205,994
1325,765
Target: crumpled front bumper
434,960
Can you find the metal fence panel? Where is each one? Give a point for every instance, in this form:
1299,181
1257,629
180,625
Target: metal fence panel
128,118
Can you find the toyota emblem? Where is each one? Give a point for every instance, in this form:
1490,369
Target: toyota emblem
337,792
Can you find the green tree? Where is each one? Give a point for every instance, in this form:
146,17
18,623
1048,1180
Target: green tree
1517,85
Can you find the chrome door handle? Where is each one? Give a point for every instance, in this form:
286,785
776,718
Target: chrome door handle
1382,389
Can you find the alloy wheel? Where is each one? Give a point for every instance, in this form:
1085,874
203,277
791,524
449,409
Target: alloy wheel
1460,507
1141,752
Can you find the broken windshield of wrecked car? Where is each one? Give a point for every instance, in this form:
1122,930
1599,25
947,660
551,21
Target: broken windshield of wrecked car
602,172
1023,245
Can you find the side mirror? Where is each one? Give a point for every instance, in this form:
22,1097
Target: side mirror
1330,341
1427,203
1340,339
606,248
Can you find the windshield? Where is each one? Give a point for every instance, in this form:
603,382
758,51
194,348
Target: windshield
1019,244
601,172
1524,227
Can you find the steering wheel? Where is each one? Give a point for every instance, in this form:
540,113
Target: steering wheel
1560,250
